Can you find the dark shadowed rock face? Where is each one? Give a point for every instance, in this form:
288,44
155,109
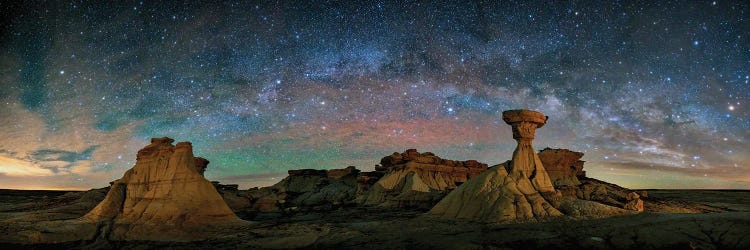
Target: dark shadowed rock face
563,166
307,189
410,179
201,164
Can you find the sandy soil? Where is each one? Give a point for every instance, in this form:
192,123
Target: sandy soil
373,228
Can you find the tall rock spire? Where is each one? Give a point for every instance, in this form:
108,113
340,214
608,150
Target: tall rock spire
511,191
525,161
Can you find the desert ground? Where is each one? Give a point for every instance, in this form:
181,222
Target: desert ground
380,228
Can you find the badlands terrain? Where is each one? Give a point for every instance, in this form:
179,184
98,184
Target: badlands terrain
412,200
379,228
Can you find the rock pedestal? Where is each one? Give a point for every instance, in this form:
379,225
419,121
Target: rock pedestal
525,160
508,192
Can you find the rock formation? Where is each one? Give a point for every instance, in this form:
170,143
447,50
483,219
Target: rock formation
512,191
201,164
460,171
366,180
307,189
410,179
235,199
414,179
606,193
566,172
525,160
163,191
563,166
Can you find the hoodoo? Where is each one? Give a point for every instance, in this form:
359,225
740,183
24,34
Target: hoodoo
525,162
164,191
511,191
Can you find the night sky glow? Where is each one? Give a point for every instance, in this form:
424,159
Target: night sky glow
655,93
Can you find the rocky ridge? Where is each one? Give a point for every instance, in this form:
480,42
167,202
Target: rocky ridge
413,179
307,189
409,180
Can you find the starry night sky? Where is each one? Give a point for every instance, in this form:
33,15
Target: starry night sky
655,93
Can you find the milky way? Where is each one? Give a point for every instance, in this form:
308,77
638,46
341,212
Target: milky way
654,93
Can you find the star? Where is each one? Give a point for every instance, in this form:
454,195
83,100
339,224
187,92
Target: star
260,88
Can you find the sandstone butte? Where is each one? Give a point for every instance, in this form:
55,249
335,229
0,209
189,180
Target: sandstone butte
165,190
512,191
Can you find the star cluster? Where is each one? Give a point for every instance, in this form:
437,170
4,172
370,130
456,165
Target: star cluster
655,93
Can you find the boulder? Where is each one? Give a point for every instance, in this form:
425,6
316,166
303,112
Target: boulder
608,193
634,205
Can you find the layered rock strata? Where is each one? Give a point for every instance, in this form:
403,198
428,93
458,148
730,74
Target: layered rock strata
307,189
563,166
566,172
413,179
508,192
409,179
606,193
164,190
